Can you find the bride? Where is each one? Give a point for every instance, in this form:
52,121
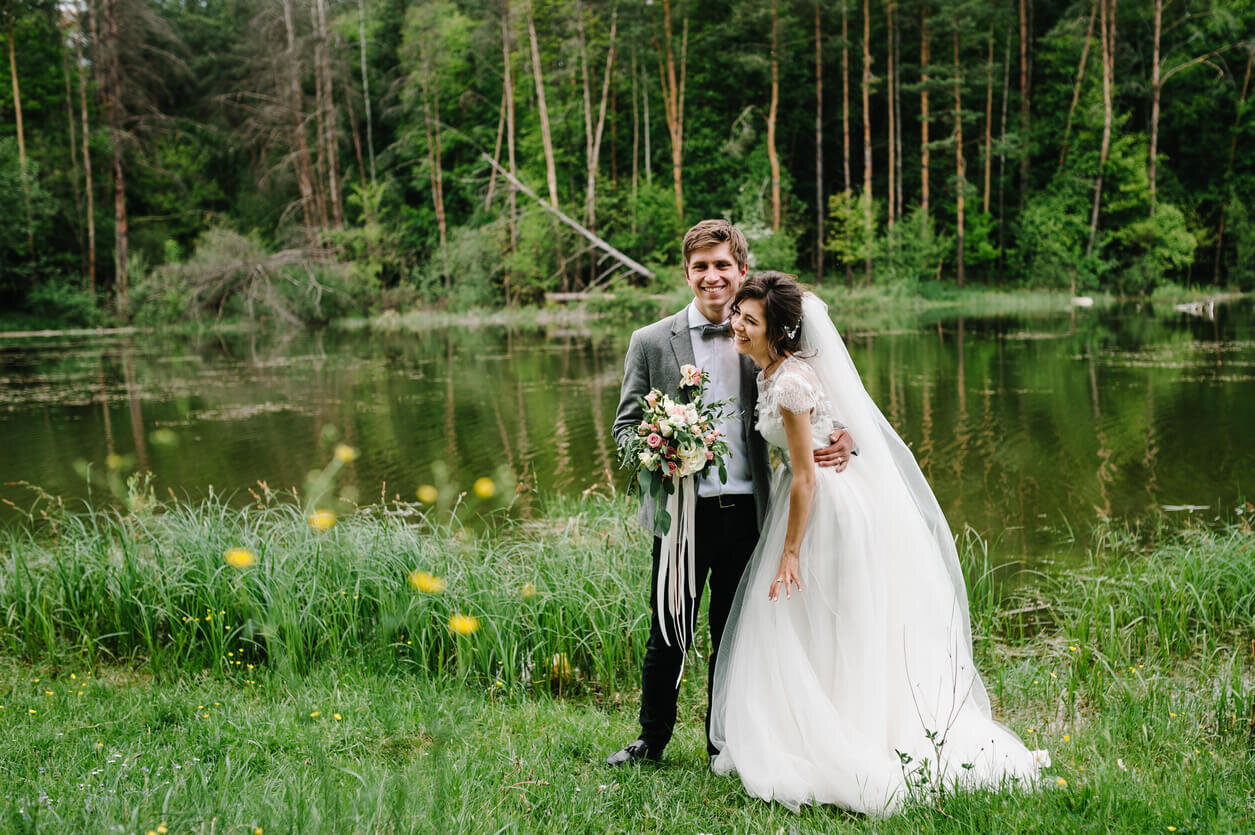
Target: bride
845,675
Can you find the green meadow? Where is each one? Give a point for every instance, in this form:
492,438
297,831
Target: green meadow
206,668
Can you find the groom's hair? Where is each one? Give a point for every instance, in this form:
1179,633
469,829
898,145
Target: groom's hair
710,233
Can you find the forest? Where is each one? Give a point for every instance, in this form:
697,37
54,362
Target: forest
302,160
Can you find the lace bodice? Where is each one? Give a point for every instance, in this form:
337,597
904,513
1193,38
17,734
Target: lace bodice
794,387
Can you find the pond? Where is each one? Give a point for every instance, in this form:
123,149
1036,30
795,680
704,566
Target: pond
1032,429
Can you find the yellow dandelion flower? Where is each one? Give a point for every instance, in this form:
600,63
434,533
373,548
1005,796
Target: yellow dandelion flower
1172,715
336,717
100,745
1172,829
239,558
1061,782
427,494
345,453
258,830
1073,649
528,591
322,520
1066,737
161,828
204,716
463,624
484,488
31,711
49,693
426,582
152,832
314,714
73,676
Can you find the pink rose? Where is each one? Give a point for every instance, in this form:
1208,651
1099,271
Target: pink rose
710,456
654,440
671,466
690,375
652,398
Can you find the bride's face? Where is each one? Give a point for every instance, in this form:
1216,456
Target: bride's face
749,331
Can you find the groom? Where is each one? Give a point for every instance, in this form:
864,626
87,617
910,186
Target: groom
728,513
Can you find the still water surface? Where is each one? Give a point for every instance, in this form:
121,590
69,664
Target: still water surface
1031,429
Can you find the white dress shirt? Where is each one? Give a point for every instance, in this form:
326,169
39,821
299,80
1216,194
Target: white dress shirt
719,359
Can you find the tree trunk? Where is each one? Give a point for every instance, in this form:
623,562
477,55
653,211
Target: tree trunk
355,135
370,136
496,151
649,165
867,133
989,118
923,111
601,121
960,164
1233,147
1154,105
1106,28
1024,103
819,151
509,127
896,81
892,125
21,143
320,131
1002,153
73,135
301,163
772,157
1076,89
113,98
1106,25
586,89
673,99
330,121
87,159
636,141
845,114
551,174
431,122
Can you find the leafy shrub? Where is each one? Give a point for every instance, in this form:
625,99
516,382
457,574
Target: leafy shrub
1160,244
63,300
911,253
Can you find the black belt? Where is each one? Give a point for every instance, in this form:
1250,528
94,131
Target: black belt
724,501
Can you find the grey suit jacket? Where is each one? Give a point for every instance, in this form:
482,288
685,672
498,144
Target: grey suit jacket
653,361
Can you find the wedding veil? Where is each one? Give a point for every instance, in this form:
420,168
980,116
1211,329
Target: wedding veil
901,486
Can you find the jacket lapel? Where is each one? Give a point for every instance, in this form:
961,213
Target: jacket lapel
682,345
749,395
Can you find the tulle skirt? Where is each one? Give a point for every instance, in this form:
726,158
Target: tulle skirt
860,690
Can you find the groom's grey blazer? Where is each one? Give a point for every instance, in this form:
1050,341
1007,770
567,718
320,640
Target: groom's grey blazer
654,357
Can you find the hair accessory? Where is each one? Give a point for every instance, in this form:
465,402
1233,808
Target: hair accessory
792,333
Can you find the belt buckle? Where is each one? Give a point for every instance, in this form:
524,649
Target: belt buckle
725,501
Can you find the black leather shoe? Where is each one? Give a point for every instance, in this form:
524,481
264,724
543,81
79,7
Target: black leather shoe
634,751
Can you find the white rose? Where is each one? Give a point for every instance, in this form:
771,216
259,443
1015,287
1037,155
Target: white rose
649,460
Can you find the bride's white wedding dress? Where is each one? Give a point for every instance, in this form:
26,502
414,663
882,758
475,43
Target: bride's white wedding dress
859,690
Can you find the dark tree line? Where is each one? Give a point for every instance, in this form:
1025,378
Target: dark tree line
164,157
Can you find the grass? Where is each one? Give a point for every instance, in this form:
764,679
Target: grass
1135,670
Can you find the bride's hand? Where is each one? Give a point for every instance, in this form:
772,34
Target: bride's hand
788,574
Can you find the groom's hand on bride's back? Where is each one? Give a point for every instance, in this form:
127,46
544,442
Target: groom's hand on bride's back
837,453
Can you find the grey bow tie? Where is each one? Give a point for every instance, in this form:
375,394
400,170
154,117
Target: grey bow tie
711,331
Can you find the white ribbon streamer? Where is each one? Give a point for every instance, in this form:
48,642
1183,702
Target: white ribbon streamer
677,567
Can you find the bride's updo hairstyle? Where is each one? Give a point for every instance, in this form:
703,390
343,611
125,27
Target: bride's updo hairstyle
781,297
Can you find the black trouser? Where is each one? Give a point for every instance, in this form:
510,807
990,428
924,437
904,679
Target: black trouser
725,531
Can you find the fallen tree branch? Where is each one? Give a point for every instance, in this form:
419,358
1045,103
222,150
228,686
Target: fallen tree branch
596,241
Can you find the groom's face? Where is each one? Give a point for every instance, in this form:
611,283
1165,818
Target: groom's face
714,277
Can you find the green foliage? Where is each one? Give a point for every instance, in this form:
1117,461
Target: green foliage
64,301
1162,245
912,253
1240,230
475,268
848,235
1052,238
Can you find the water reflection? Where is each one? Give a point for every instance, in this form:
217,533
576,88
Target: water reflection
1030,429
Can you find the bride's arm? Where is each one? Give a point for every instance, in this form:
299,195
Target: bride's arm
797,427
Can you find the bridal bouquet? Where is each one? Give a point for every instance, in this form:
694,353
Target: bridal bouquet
675,443
676,440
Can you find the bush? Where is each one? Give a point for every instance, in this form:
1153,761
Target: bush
64,301
912,253
1161,244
